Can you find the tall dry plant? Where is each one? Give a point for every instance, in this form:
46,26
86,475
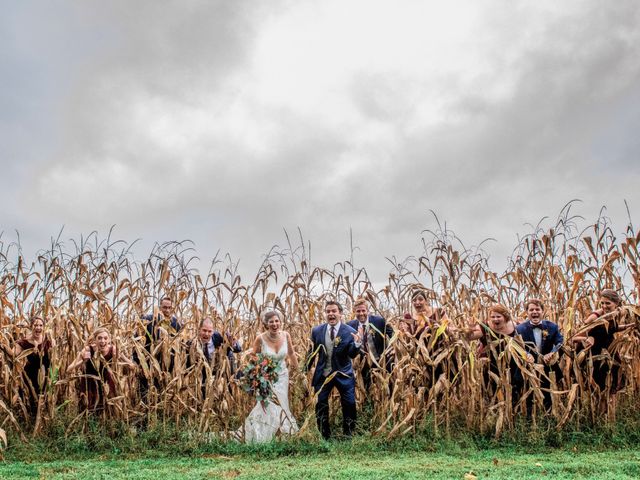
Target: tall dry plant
438,379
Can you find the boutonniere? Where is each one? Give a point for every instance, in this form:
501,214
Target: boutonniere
336,341
545,334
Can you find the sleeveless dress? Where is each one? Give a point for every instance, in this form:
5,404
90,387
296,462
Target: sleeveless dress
36,372
603,336
263,423
97,375
490,338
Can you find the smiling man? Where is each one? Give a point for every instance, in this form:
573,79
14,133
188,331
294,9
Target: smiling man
375,333
542,340
333,346
203,351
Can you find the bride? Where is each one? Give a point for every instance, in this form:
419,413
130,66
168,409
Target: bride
265,421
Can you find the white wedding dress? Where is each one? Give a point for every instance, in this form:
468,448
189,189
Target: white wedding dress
264,422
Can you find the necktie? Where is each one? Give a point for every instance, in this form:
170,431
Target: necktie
365,337
333,333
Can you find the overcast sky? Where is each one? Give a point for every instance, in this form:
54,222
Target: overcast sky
225,122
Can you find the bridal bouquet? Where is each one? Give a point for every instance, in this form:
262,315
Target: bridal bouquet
259,376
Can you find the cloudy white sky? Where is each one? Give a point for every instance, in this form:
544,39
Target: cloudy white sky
225,122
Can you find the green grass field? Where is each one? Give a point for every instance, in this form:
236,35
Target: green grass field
503,463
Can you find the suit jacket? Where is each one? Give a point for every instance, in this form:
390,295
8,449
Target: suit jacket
152,335
552,339
195,351
344,350
379,328
152,323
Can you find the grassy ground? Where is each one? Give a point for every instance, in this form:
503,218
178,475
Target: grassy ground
168,452
502,463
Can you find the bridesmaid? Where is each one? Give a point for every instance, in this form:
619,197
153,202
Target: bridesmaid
97,361
493,337
35,374
601,327
422,324
422,316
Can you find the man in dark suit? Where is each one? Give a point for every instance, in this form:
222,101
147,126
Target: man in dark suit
333,345
375,333
162,327
543,341
202,351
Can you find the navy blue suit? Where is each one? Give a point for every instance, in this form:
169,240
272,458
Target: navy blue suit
381,332
552,341
380,329
218,340
152,335
344,349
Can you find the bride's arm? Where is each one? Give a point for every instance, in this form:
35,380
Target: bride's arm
293,360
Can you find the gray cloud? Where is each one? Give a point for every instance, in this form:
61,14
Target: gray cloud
166,119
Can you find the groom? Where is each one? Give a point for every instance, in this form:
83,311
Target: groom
542,341
334,344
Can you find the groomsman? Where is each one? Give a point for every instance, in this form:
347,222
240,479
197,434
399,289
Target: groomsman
333,345
164,326
375,333
543,341
203,350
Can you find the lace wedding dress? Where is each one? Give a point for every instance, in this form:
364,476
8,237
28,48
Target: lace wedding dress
264,422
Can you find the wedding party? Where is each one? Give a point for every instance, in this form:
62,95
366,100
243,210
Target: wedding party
337,239
304,365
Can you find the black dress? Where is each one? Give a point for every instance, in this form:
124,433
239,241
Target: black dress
97,384
492,346
603,367
427,329
36,372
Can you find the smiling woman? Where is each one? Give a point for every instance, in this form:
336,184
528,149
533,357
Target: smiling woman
98,363
37,348
269,418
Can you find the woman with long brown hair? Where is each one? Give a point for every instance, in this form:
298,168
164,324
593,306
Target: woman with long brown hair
597,339
425,324
422,315
36,346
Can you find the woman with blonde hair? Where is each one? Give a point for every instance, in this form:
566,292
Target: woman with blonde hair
96,361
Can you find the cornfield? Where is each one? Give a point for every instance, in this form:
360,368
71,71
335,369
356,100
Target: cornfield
97,282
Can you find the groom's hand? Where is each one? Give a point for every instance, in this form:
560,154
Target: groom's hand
357,336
